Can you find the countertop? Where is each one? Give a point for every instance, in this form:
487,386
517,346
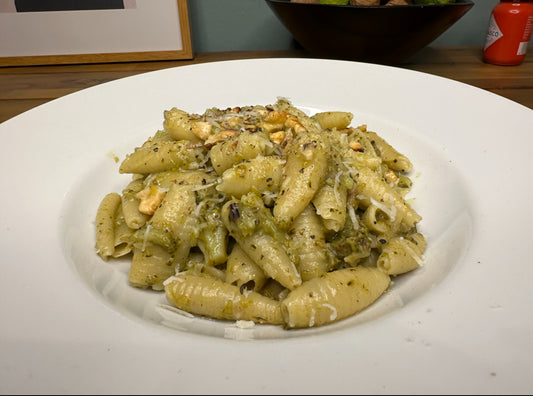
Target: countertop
24,87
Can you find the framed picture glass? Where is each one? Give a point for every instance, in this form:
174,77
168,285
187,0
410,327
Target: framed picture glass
37,32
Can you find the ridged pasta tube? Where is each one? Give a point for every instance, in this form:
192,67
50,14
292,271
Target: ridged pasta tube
371,186
402,254
380,220
308,243
180,125
105,225
130,205
330,203
181,177
307,122
358,151
159,156
253,229
150,267
258,174
123,235
334,296
333,119
176,214
242,146
207,296
213,238
390,156
304,173
242,271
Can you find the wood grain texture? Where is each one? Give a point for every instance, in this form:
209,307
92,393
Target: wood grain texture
24,87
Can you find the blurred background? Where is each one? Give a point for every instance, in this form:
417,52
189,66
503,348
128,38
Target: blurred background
244,25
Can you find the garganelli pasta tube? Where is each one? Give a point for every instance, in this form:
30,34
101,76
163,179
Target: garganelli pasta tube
334,296
207,296
105,225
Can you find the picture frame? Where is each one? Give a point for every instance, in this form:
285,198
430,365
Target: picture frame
44,32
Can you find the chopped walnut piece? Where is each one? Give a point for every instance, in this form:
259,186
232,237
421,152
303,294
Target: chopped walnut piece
219,137
362,128
274,121
275,117
151,197
292,122
278,137
233,122
391,177
356,146
202,129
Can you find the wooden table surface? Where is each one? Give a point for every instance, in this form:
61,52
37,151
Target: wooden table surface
24,87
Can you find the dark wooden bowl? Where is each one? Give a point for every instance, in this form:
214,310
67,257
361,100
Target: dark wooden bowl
376,34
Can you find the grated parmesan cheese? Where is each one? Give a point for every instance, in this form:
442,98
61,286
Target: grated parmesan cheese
417,257
199,208
244,324
336,187
198,187
312,318
333,315
391,212
145,239
353,217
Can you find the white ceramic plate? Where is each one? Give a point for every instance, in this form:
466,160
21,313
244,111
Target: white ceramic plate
460,324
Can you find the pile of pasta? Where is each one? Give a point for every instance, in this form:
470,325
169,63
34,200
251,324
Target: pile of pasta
264,213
